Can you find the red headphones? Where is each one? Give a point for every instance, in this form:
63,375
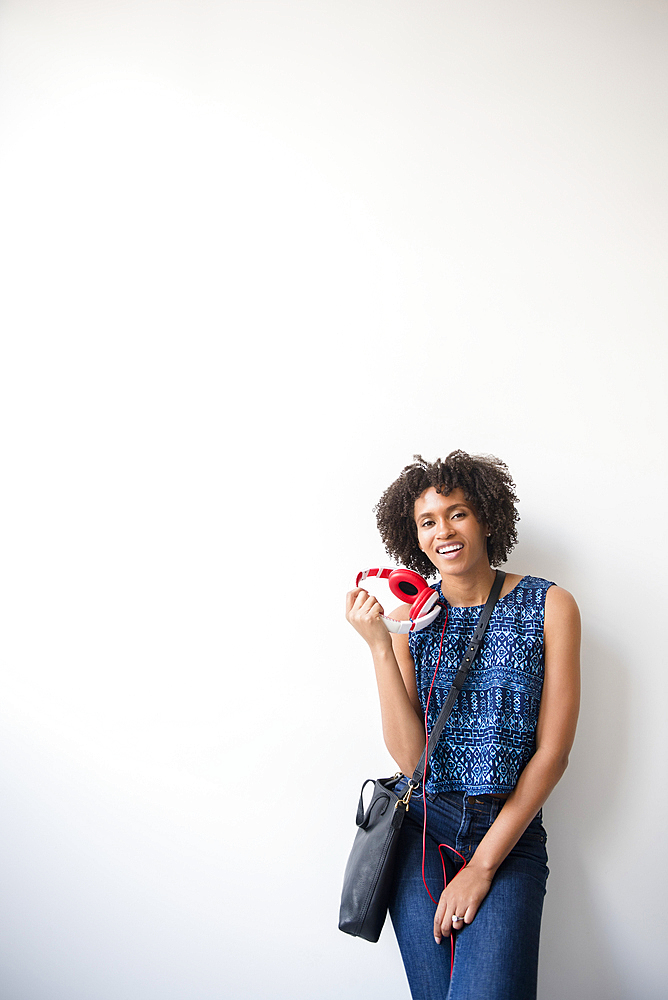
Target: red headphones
412,589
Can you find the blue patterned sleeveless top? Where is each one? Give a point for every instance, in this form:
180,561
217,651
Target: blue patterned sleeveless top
491,732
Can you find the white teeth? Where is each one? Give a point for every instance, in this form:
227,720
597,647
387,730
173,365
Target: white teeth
448,548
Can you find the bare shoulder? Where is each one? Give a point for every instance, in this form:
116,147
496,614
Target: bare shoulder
402,613
561,610
560,697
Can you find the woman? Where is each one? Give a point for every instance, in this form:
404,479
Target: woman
505,745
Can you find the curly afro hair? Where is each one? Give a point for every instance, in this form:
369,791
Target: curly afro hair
486,484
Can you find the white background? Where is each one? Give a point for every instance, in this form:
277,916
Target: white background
255,255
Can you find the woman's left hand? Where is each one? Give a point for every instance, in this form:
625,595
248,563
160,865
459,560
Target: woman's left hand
461,898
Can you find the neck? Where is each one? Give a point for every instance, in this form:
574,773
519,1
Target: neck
470,590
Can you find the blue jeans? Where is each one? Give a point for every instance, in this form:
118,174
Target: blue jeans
496,956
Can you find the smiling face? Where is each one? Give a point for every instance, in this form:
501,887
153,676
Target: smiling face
449,533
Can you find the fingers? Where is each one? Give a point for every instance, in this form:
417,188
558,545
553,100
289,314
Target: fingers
451,914
364,612
460,900
438,921
361,604
443,918
450,921
351,596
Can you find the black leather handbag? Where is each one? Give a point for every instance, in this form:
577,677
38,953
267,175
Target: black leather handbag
367,881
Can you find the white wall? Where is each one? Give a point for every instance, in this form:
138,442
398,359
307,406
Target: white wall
255,255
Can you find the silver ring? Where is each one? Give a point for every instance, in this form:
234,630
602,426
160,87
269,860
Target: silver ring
455,919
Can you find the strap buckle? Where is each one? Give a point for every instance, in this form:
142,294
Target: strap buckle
406,797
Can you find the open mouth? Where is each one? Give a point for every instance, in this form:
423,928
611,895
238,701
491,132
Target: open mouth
446,550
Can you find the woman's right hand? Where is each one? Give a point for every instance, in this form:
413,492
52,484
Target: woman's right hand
364,611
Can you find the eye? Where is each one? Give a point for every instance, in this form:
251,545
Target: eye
426,524
459,513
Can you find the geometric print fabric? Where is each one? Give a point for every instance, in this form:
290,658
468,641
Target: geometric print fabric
491,733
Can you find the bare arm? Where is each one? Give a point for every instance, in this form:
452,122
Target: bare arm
403,726
555,732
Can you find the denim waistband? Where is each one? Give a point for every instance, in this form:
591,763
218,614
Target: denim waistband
480,805
452,796
484,806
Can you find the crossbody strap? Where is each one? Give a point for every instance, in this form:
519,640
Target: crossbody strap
460,676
